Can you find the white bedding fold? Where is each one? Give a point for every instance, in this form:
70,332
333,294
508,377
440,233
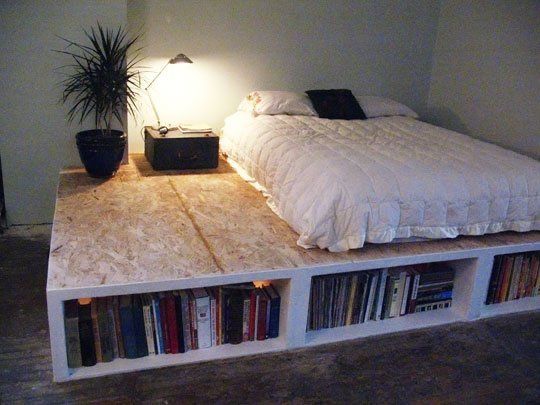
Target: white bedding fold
342,183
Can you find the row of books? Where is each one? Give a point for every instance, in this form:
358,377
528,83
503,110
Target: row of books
132,326
352,298
514,276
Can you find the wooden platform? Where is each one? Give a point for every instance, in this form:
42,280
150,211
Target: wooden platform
144,226
147,231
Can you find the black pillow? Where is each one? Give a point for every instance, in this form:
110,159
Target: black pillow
336,104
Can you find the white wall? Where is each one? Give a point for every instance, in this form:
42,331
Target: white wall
381,47
486,72
35,139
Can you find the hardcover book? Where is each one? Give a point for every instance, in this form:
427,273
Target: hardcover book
128,327
204,333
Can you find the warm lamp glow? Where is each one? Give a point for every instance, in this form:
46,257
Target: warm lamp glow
84,301
261,284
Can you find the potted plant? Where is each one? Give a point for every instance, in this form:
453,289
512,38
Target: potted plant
101,82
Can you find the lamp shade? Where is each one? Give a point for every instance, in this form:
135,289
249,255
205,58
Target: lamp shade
180,58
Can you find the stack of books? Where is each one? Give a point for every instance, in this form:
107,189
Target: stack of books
352,298
132,326
513,277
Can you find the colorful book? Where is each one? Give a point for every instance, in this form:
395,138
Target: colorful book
148,323
138,322
128,327
261,314
158,334
245,315
202,306
275,306
172,326
186,326
163,321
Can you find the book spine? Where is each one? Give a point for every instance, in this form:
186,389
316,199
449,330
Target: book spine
509,261
185,321
118,328
535,282
235,312
514,281
267,330
179,322
245,318
493,280
252,314
213,320
157,326
350,301
218,316
138,322
128,332
397,296
193,323
112,328
95,328
371,296
524,276
261,319
164,325
203,322
148,329
380,294
394,311
104,333
405,298
273,329
172,327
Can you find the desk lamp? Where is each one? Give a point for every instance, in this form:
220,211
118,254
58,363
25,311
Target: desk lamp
180,58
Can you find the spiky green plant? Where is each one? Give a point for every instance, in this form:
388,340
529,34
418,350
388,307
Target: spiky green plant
101,78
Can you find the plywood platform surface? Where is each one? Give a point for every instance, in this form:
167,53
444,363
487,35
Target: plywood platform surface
144,226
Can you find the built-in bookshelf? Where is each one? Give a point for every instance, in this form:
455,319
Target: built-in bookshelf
513,277
464,274
124,328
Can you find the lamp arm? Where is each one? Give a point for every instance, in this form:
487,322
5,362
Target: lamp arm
154,79
153,107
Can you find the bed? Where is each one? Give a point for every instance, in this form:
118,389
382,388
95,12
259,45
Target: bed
343,183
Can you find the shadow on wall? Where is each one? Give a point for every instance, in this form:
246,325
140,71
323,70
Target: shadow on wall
446,118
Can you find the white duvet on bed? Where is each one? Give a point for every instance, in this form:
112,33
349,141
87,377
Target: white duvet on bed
342,183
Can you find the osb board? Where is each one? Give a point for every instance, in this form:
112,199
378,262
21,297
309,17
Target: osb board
144,225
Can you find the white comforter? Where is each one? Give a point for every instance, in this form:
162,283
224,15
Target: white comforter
341,183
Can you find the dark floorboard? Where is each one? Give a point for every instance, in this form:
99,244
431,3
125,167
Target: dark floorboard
484,362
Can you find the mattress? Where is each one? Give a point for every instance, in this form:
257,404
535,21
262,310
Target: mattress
340,184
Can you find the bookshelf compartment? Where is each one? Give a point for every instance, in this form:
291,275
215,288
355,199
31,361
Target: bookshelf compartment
359,298
119,333
514,277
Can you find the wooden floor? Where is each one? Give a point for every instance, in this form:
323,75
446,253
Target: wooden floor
485,362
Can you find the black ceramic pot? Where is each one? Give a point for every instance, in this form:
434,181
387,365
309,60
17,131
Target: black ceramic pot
101,155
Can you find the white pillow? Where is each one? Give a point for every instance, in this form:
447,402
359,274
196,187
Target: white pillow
374,106
277,102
